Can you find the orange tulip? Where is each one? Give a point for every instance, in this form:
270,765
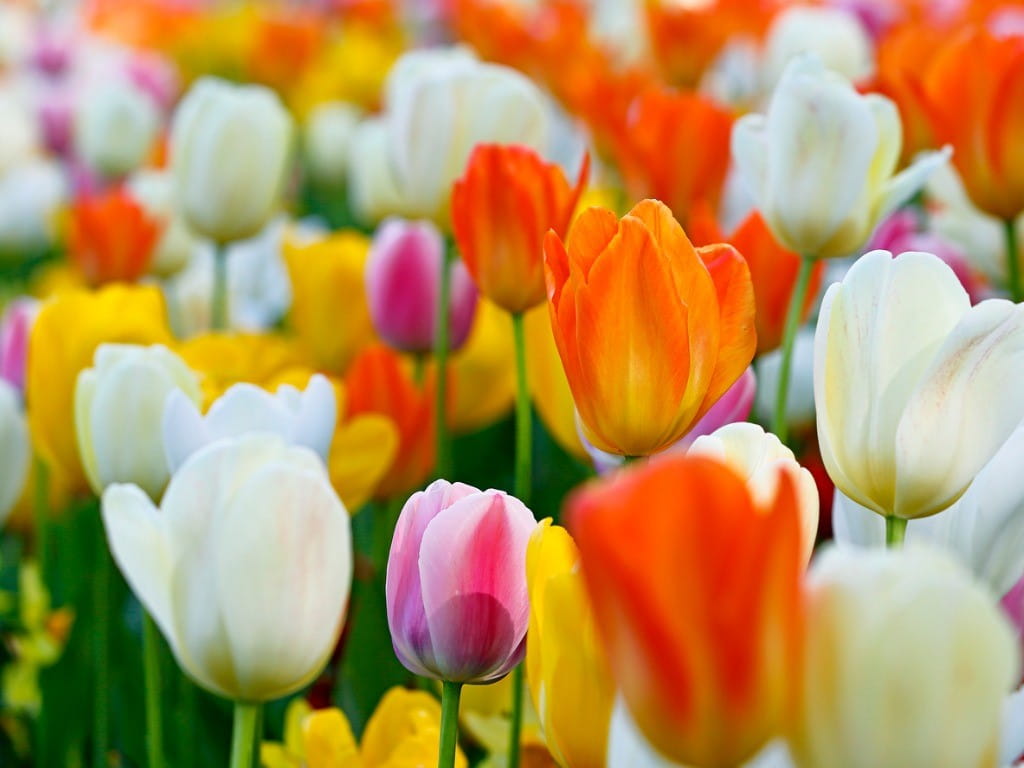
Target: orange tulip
651,331
773,271
111,237
502,207
975,90
696,591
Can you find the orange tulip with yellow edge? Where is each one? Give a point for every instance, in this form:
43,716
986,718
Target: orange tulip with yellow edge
483,372
697,593
549,389
329,311
650,330
223,359
66,333
111,237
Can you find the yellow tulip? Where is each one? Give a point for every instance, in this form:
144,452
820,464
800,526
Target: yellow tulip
484,371
329,310
484,712
404,732
223,359
69,328
312,739
549,388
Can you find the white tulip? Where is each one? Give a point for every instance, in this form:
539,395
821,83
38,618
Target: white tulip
245,567
115,128
328,140
31,195
911,383
15,449
304,418
19,136
800,397
154,191
119,408
820,164
230,147
373,193
836,36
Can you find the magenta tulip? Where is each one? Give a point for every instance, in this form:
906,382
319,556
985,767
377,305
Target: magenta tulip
456,583
15,325
403,286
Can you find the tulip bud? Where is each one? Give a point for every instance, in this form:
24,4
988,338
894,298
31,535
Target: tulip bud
15,325
111,237
15,449
833,34
403,287
19,136
372,190
229,155
246,567
887,625
31,196
119,407
304,418
173,251
456,584
328,140
115,128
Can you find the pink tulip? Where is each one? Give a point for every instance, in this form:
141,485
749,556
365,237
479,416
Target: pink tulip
456,583
15,325
403,286
56,121
1013,606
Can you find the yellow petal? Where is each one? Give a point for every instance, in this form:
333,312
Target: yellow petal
329,741
361,452
484,370
549,388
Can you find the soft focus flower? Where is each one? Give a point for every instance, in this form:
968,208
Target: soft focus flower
329,307
111,237
154,192
456,584
836,36
502,207
246,566
328,139
696,589
568,674
320,738
15,327
651,331
760,459
119,411
19,139
64,337
31,195
304,418
820,163
372,190
886,625
115,128
225,359
549,388
484,371
800,395
15,449
403,287
908,379
974,89
229,154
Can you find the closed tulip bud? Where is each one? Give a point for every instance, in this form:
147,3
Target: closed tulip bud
111,237
15,449
15,326
456,583
245,567
651,331
907,377
835,35
820,163
115,128
304,418
403,287
695,584
328,141
230,147
372,191
32,195
119,408
885,625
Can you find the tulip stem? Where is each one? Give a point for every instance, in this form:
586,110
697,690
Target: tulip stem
41,515
516,719
1013,261
101,648
796,306
244,734
441,341
219,305
154,691
524,437
895,531
450,693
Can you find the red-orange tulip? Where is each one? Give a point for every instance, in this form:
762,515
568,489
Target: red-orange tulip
697,594
975,89
651,331
502,207
111,237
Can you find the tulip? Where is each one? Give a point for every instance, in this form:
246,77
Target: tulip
16,449
223,360
759,457
229,155
31,197
403,276
119,408
305,418
568,675
651,331
173,251
502,207
15,327
833,34
703,631
115,128
19,139
372,191
906,376
456,583
245,567
820,163
328,139
111,238
885,624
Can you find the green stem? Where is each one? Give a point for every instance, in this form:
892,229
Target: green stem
516,720
450,693
441,341
154,691
524,444
219,305
1013,261
185,717
796,306
895,532
41,515
419,369
244,734
101,649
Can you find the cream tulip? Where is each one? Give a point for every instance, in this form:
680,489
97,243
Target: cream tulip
907,664
115,128
245,567
173,251
372,191
836,35
15,449
230,147
820,163
328,138
913,385
119,407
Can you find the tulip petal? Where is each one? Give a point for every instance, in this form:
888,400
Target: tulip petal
361,454
905,184
184,431
315,417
